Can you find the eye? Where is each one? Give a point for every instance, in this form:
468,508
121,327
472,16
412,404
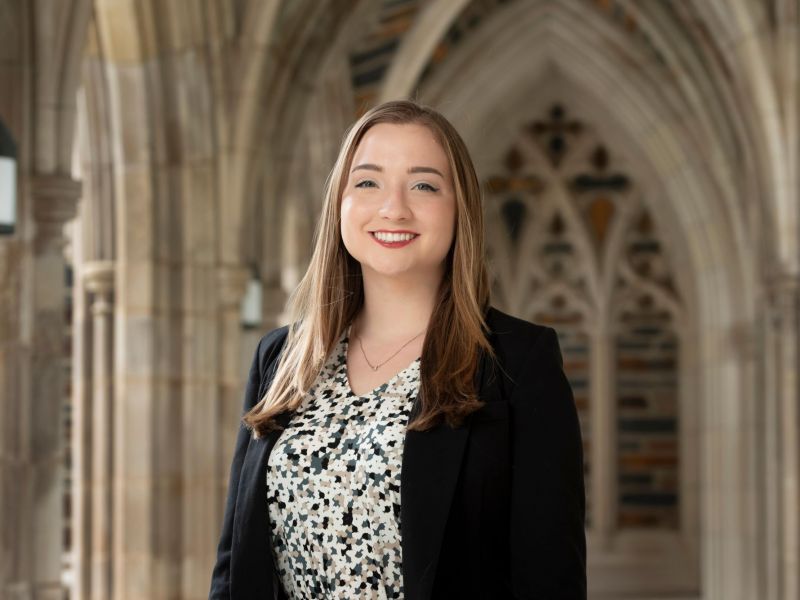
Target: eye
429,187
360,184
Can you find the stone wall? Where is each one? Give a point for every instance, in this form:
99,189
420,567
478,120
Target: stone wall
188,145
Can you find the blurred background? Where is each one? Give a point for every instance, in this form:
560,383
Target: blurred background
162,164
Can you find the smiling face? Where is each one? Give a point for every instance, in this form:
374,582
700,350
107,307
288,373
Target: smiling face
398,207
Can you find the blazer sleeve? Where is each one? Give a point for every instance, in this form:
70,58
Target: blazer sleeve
548,503
220,578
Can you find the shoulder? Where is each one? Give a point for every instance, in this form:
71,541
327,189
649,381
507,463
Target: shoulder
516,335
270,345
521,345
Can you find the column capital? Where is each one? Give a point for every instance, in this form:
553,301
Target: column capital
98,279
98,276
55,201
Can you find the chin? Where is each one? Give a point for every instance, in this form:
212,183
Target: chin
397,271
391,272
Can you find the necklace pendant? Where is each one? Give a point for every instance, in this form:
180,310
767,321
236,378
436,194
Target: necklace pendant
375,368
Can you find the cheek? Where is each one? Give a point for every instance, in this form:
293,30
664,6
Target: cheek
448,218
443,221
346,213
349,221
353,209
345,206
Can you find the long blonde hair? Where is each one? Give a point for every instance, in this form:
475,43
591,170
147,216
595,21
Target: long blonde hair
331,293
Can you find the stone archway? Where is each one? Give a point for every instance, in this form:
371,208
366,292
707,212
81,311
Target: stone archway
694,193
627,558
42,50
187,159
195,114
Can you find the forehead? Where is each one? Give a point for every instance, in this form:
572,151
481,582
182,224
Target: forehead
407,143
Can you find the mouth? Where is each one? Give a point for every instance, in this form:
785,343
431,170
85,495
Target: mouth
394,239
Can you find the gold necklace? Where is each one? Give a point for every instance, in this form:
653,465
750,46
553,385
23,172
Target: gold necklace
376,367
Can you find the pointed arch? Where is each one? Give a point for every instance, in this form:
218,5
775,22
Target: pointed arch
697,193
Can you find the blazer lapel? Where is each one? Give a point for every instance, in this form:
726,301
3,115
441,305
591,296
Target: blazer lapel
431,465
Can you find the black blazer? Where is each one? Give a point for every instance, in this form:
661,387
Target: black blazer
492,509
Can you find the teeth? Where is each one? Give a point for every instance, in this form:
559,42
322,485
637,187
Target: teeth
393,237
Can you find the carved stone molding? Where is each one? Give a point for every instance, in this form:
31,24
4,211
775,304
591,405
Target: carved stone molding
98,279
55,201
98,276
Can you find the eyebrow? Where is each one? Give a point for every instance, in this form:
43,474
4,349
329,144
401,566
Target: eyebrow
373,167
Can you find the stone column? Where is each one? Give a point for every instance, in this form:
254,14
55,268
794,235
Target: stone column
785,300
99,281
203,353
54,201
603,456
80,504
15,543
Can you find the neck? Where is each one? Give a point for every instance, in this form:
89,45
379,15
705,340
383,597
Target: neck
396,308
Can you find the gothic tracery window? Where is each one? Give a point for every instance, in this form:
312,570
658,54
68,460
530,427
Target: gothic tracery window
572,246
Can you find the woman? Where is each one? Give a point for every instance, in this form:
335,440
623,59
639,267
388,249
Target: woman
403,439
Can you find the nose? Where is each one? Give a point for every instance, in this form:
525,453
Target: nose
394,205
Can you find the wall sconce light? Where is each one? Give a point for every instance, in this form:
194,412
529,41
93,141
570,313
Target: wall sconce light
252,302
8,182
